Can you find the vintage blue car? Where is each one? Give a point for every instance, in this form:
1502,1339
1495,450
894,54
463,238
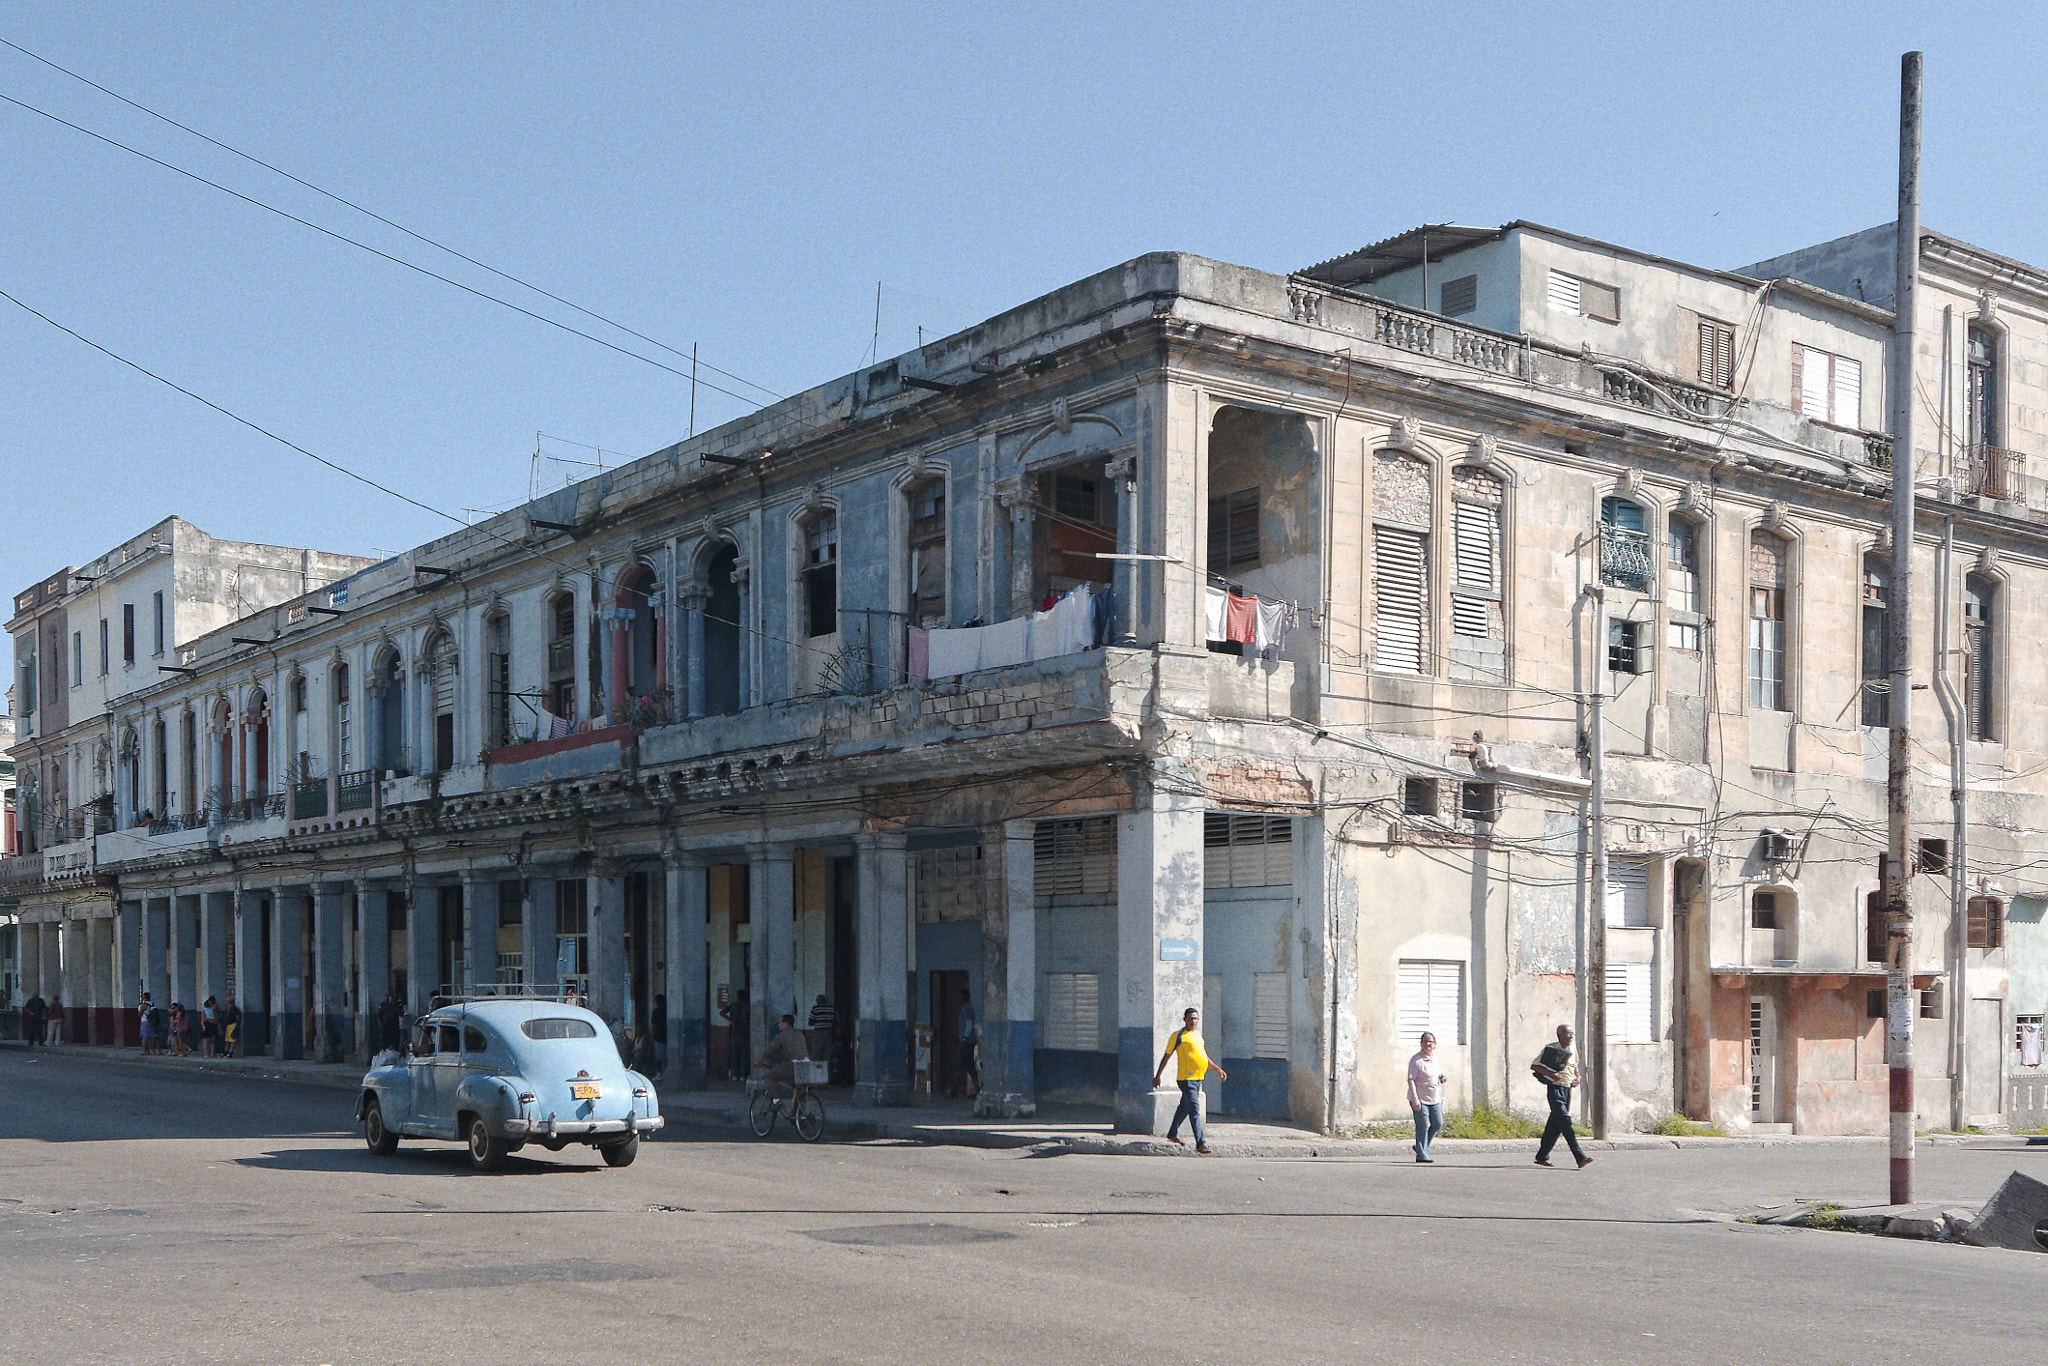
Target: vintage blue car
498,1073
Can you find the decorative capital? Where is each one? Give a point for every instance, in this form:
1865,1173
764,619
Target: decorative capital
1011,497
741,569
814,500
1406,434
1987,307
1696,501
1487,448
1123,465
1777,519
1062,416
1990,564
1631,482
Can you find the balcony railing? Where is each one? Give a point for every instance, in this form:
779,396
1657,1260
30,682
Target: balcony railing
1877,450
1626,560
356,790
1992,472
309,800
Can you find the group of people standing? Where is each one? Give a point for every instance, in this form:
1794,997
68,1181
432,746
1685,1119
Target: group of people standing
42,1022
212,1030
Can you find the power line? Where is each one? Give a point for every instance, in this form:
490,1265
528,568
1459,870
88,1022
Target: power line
372,213
364,246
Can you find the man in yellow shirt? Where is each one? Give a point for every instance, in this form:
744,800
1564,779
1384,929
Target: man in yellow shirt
1186,1044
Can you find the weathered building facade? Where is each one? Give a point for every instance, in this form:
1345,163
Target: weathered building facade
1191,635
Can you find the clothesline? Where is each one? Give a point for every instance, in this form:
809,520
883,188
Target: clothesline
1079,620
1249,621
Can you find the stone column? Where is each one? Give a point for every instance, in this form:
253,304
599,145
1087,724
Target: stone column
127,970
422,945
882,1064
216,919
373,980
329,993
184,950
74,974
479,929
288,987
695,600
1013,497
1159,945
687,987
251,911
1009,973
607,943
771,903
102,1021
156,951
537,933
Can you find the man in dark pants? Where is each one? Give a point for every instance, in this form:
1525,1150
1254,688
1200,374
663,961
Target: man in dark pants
1559,1073
32,1011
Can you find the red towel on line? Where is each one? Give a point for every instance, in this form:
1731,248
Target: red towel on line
1240,618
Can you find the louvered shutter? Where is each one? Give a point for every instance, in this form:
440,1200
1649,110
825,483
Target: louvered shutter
1564,292
1628,1003
1717,355
1073,1014
1430,996
444,683
1628,892
1478,535
1848,405
1247,851
1075,862
1815,383
1400,597
1269,1015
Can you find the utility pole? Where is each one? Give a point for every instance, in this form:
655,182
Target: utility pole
1592,1023
1899,1003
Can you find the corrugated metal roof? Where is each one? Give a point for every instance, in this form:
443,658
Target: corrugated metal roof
1400,252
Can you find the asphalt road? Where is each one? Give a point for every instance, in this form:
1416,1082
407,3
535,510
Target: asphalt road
151,1213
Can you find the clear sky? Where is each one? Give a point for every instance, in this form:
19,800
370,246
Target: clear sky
744,178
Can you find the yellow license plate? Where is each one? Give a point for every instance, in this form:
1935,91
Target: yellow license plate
583,1090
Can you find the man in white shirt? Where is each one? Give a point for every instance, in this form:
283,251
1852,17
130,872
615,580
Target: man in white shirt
1426,1096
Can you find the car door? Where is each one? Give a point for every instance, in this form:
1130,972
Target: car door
448,1072
420,1074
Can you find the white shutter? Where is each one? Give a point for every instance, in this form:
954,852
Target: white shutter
1269,1015
1848,408
1400,595
1815,383
1072,1013
1478,540
1628,1003
1075,862
1247,851
1628,892
1429,996
1564,292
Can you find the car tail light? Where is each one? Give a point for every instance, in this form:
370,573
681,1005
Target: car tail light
527,1097
639,1090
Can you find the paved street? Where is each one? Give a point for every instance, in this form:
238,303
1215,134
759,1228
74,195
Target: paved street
157,1213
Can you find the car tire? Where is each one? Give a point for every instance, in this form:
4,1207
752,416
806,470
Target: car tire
486,1149
382,1141
809,1117
620,1154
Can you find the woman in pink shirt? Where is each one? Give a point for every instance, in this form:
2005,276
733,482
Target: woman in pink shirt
1426,1096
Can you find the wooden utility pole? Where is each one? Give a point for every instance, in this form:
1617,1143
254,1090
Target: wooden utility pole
1900,1005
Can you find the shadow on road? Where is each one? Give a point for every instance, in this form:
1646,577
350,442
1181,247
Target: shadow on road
449,1160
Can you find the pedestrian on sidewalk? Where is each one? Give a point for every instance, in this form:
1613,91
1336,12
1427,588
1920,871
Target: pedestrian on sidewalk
53,1031
32,1012
1426,1096
209,1027
1559,1073
145,1016
967,1061
231,1029
1194,1064
179,1046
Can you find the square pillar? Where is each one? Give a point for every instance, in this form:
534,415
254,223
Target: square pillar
128,969
607,945
480,929
1159,947
1009,973
216,919
103,1019
156,951
71,1015
688,987
184,951
252,972
771,911
882,1063
537,945
329,989
422,946
288,987
29,945
373,965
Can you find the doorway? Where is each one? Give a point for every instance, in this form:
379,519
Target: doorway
949,994
1764,1106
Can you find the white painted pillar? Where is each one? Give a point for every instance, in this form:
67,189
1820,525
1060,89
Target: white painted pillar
329,993
1159,946
688,987
882,1061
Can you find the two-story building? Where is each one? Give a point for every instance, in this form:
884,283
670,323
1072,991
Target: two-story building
1192,635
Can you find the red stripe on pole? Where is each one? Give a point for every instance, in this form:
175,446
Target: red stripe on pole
1902,1090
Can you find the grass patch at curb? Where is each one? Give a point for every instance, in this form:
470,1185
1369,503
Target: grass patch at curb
1481,1121
1826,1215
1678,1126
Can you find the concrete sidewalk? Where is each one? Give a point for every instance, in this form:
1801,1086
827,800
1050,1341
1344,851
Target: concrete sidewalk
939,1120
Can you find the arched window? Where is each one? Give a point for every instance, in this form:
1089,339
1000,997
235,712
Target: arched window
1768,557
443,669
1625,557
1981,405
1683,601
159,769
387,712
722,633
1477,498
820,574
927,547
497,680
1876,641
1980,604
560,696
224,775
256,740
638,645
343,722
1402,504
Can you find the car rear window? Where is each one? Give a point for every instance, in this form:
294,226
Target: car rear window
558,1029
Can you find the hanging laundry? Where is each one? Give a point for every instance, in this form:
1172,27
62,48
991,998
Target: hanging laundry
917,654
955,650
2030,1045
1215,605
1271,630
1240,619
1104,609
1005,643
1064,630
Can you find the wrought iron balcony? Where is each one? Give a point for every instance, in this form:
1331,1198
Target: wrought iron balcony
1626,558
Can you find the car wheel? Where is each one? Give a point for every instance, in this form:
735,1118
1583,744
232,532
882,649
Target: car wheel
382,1141
620,1154
761,1113
810,1117
486,1149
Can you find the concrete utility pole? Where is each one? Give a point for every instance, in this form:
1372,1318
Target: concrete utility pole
1899,1003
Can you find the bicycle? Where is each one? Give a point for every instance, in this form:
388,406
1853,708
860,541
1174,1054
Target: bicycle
804,1110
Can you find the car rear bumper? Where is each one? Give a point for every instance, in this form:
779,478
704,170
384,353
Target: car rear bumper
582,1128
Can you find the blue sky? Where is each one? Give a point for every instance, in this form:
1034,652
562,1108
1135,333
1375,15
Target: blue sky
745,180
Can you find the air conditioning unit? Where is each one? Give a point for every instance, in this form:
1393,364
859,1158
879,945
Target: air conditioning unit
1777,846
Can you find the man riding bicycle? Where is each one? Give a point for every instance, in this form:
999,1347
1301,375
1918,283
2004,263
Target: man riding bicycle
790,1044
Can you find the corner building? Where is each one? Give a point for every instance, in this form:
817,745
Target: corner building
1195,635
